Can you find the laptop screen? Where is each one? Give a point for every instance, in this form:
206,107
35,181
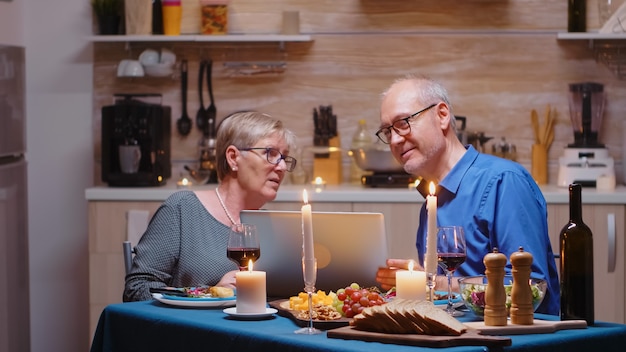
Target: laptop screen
349,247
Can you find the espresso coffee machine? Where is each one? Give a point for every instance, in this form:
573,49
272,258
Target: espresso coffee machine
586,159
136,133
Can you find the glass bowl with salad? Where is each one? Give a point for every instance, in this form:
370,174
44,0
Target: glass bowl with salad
473,292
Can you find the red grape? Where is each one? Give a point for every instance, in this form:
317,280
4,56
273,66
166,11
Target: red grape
355,298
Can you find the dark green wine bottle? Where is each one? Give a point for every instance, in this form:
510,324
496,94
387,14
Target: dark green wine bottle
576,15
576,247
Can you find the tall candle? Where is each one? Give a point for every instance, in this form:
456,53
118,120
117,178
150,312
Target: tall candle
430,263
411,284
308,251
251,291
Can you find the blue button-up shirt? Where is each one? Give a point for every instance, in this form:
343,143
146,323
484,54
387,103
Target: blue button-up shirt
499,205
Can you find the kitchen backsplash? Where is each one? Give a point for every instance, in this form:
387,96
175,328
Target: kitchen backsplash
498,60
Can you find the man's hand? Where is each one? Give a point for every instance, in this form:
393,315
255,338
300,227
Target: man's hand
386,277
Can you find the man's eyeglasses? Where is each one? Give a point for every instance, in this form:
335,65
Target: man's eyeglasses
402,127
273,156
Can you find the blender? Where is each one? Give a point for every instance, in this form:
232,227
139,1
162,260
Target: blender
585,160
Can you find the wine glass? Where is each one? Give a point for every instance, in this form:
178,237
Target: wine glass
451,253
309,271
243,245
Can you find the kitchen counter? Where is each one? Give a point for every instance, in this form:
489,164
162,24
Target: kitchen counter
343,193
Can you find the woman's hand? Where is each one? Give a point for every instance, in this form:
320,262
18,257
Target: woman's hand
228,280
386,277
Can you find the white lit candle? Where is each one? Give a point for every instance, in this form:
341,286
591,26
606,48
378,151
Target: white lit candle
251,291
307,229
411,284
430,262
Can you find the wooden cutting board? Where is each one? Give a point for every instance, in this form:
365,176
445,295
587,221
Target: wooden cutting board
539,327
469,338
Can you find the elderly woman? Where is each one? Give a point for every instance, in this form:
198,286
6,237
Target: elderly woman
185,242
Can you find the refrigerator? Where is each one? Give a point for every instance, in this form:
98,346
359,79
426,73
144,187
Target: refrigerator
14,277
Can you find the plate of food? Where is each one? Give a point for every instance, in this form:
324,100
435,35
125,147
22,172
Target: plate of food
325,317
196,296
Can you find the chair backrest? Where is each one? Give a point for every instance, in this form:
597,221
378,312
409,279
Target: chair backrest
136,224
128,251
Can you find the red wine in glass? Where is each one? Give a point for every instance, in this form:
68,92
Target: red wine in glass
451,253
242,256
450,261
243,245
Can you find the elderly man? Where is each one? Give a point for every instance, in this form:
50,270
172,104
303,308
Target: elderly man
495,200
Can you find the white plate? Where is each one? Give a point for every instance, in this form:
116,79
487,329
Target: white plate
195,302
233,313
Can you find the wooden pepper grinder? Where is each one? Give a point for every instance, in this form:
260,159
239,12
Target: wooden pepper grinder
495,296
521,294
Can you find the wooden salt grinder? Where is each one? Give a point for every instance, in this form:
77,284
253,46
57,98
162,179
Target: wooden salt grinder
495,296
521,294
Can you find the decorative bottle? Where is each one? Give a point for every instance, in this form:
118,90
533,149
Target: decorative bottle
576,15
522,312
576,249
361,139
495,296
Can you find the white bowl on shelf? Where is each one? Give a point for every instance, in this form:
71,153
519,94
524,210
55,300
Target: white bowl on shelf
167,56
159,70
149,57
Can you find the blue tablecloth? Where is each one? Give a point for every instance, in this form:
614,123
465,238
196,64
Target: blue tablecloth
153,326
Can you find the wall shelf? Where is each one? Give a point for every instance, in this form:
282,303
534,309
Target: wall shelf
609,48
228,38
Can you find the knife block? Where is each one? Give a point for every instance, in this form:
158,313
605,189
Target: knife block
329,166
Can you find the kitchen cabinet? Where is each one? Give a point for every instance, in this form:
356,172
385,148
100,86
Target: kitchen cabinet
607,225
107,231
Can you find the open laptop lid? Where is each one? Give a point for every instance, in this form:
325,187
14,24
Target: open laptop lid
349,247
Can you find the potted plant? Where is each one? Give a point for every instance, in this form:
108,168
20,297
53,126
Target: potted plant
108,13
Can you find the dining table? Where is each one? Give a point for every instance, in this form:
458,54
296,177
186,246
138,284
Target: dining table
155,326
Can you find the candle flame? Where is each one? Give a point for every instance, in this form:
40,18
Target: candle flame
319,181
250,266
305,197
431,188
410,265
185,181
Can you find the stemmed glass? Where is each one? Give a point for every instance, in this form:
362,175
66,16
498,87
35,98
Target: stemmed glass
309,271
243,245
451,253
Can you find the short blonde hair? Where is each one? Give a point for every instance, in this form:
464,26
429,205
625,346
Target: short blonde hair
243,129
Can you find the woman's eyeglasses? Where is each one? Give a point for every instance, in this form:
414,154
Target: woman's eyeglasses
274,157
402,127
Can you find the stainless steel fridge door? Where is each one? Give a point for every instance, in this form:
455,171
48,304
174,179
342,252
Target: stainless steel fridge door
14,285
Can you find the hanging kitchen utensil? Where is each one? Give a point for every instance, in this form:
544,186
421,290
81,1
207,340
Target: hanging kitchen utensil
184,122
201,115
211,111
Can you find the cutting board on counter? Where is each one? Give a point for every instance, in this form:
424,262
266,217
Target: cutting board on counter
469,338
539,327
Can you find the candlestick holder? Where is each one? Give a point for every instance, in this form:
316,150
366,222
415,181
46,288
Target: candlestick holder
309,271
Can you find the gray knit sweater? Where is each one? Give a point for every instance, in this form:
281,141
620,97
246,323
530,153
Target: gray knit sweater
184,245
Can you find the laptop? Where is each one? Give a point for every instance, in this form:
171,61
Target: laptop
349,247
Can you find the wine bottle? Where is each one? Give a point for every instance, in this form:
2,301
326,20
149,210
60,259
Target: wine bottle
576,249
576,15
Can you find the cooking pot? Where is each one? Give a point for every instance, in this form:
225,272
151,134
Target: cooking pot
376,160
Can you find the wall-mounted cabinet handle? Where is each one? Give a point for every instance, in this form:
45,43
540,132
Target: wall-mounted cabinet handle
611,242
